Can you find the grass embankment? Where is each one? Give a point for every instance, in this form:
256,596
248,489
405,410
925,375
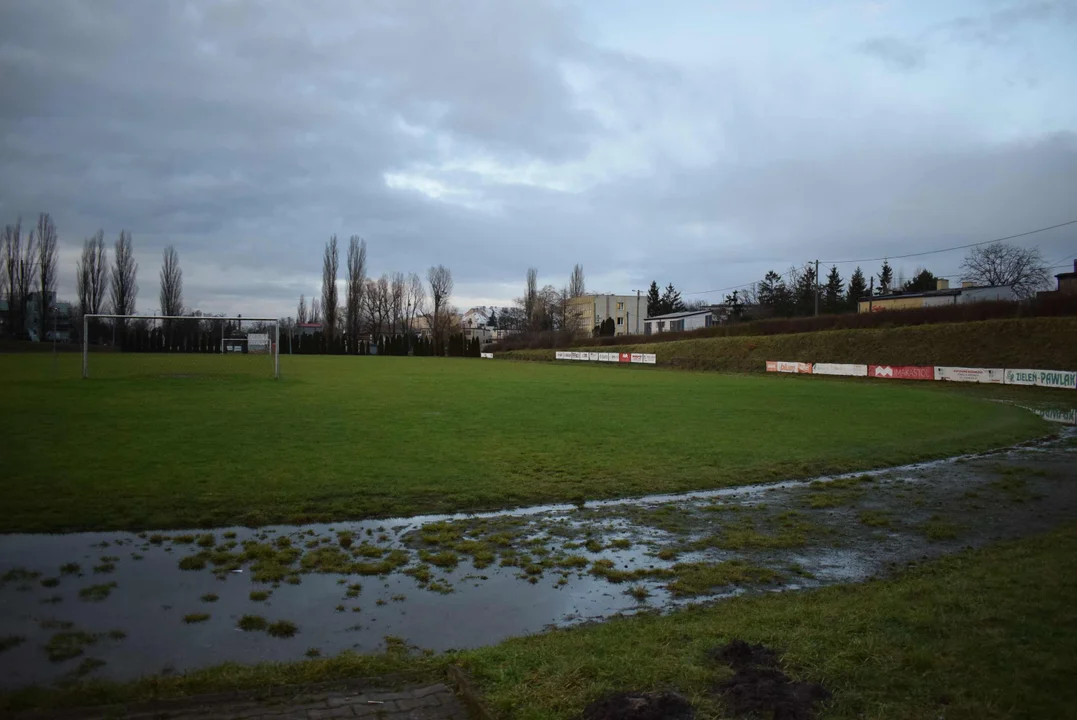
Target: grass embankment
990,633
1042,343
152,442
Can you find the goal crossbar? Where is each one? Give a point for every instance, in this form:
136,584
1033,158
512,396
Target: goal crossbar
109,316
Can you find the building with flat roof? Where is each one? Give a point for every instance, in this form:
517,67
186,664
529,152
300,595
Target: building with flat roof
680,321
627,312
943,294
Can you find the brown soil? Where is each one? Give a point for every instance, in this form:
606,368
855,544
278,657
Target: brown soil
760,689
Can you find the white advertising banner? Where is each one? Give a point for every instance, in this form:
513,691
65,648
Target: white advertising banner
560,355
1020,377
613,357
965,374
489,356
839,369
593,357
603,357
637,357
1043,378
650,358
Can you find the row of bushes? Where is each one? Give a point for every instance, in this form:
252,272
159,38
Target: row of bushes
1045,306
1039,343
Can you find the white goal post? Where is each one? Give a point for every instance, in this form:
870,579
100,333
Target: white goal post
260,340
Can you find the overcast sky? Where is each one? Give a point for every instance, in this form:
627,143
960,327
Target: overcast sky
699,143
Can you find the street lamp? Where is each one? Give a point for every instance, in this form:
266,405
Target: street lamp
637,311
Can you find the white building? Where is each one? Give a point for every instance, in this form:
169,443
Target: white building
679,321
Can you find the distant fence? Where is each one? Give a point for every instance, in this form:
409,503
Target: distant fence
1063,379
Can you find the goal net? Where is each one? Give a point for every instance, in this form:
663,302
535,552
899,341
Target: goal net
179,346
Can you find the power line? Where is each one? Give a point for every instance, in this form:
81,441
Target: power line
894,257
788,272
956,247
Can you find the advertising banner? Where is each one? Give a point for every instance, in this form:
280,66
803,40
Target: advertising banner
964,374
603,357
637,357
1043,378
624,357
593,357
489,356
1056,379
793,367
1020,377
650,358
772,366
560,354
839,369
901,372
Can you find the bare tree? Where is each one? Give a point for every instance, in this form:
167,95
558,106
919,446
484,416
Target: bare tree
576,286
1002,264
397,286
356,279
46,266
414,300
530,301
378,305
91,277
171,283
19,269
124,279
301,311
329,288
440,279
316,311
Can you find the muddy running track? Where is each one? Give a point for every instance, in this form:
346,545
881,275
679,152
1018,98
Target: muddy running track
118,605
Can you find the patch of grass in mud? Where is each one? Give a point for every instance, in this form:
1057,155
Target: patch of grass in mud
193,618
936,529
8,642
1013,487
874,518
792,532
252,623
706,578
97,593
68,644
282,629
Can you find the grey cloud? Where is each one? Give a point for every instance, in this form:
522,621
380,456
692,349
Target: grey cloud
245,134
900,54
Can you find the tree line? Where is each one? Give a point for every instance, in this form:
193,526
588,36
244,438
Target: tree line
393,305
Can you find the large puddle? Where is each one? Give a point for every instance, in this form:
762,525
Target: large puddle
120,605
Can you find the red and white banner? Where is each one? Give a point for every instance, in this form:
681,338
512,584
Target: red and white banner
901,372
624,357
966,374
839,369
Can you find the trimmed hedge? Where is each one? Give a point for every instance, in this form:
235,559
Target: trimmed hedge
1040,343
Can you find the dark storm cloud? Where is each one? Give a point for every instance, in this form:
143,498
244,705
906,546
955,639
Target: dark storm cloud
488,136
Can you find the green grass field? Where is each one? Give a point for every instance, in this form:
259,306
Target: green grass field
179,441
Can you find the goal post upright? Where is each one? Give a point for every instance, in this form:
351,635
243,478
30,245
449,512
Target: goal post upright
274,349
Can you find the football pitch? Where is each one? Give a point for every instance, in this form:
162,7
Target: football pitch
152,441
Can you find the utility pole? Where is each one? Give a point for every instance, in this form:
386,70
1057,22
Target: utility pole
816,288
871,293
